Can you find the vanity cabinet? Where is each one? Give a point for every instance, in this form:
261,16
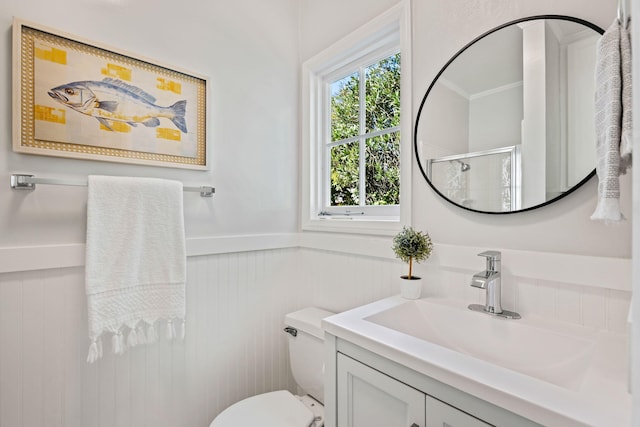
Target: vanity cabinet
366,389
368,398
440,414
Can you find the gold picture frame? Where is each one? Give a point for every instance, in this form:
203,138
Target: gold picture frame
75,98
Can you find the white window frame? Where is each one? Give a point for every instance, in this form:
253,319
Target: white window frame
385,35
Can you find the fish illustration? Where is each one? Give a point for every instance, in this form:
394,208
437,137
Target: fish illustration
112,100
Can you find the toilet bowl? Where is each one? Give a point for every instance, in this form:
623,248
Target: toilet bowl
275,409
281,408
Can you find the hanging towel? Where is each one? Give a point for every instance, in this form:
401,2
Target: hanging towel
135,260
626,141
613,110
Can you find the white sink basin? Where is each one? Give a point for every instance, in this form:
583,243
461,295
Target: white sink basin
518,345
551,372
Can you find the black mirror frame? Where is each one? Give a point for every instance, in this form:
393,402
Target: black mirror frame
424,99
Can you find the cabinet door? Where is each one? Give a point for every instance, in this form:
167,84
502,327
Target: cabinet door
369,398
440,414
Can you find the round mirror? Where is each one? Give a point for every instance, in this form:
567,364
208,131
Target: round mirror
507,125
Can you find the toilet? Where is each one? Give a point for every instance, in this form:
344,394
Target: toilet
281,408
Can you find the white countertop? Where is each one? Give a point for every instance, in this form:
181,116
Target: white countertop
601,398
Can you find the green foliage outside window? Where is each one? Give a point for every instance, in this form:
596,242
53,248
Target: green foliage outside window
345,165
382,91
382,170
382,153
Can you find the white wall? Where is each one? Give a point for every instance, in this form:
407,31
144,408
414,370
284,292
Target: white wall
322,23
247,48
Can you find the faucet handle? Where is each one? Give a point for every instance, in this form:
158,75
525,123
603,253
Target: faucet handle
493,259
491,255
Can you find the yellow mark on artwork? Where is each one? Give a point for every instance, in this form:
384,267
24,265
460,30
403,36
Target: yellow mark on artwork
166,133
170,85
117,71
58,56
117,127
49,114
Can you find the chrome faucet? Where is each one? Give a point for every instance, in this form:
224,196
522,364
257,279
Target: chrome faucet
491,280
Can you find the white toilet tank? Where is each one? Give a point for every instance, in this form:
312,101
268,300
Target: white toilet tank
306,349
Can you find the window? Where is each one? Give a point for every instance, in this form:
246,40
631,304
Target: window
364,144
356,111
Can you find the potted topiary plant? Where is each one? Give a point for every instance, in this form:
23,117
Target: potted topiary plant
411,246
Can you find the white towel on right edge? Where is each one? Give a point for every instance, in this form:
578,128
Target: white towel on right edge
626,141
609,119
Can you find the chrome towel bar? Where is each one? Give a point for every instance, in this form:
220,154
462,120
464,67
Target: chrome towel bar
28,182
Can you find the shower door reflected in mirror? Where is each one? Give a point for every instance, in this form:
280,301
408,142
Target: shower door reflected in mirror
485,181
525,87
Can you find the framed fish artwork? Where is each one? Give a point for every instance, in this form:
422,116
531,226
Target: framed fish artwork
76,98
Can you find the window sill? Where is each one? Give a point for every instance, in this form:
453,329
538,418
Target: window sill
370,226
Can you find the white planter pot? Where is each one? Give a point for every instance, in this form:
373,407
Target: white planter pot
410,289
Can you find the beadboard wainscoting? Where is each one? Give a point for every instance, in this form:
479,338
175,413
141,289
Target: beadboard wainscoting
236,301
594,292
234,347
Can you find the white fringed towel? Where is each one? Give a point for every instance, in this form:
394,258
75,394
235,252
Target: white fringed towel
613,119
135,260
